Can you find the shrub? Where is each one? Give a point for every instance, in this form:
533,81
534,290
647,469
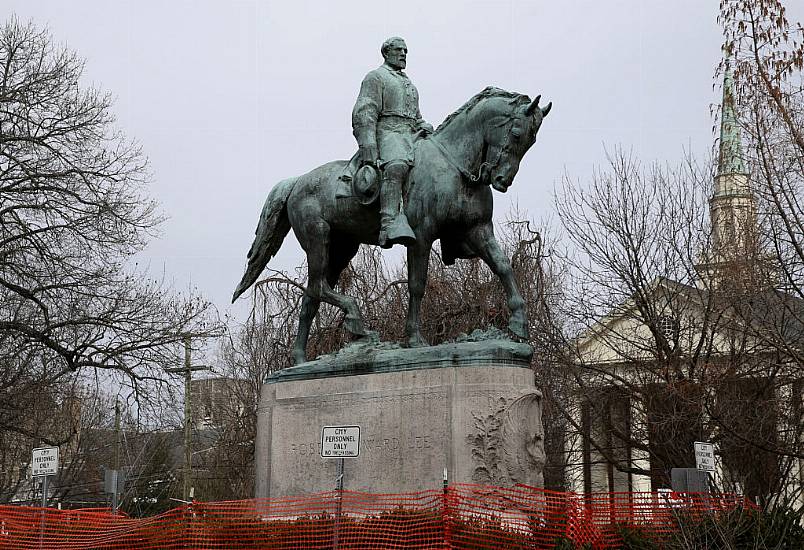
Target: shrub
777,528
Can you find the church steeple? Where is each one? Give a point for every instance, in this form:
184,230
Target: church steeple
732,209
732,177
730,159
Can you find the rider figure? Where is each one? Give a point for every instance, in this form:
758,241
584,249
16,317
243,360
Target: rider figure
385,121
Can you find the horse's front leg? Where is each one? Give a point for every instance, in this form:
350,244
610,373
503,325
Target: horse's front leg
481,239
418,261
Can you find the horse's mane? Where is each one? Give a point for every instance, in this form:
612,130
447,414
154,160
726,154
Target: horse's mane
488,92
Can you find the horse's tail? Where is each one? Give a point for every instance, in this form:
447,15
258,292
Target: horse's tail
271,231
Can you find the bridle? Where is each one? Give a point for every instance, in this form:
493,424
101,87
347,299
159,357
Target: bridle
474,178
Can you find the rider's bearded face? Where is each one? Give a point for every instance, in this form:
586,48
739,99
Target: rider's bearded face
396,55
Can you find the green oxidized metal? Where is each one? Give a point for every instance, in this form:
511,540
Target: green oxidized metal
731,151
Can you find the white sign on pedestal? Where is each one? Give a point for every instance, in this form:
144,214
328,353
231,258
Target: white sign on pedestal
705,456
340,441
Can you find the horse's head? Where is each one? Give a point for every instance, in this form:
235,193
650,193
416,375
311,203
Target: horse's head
508,137
490,134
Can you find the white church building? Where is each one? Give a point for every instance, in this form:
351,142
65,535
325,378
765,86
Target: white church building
683,363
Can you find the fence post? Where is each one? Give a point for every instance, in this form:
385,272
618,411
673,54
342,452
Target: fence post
188,537
45,489
192,520
446,512
339,505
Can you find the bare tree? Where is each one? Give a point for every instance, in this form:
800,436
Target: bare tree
766,53
73,213
660,347
630,230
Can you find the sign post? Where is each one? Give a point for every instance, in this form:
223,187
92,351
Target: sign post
339,442
44,463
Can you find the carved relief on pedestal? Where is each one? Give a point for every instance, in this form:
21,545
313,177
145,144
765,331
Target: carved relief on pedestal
508,442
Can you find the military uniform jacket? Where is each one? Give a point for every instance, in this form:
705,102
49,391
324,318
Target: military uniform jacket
386,114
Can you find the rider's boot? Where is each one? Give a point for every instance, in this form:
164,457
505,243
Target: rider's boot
394,227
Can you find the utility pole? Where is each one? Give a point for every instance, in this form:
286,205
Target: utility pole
117,433
115,495
113,478
187,370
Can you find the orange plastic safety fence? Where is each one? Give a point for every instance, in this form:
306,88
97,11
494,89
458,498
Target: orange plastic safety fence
462,516
526,517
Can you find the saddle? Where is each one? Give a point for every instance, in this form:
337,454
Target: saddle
363,183
355,183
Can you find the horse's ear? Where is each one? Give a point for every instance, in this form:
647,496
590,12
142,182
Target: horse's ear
547,109
533,106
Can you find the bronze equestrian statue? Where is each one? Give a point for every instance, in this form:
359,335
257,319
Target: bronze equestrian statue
448,178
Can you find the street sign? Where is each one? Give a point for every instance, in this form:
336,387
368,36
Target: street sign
704,456
114,481
45,461
689,480
340,441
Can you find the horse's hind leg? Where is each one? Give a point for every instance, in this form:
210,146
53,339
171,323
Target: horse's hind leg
481,239
309,309
318,285
338,261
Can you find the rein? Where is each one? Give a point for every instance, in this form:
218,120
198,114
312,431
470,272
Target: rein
474,178
464,172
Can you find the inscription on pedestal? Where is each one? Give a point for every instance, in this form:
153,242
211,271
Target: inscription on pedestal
382,445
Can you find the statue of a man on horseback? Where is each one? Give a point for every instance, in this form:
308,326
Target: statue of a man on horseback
386,121
448,196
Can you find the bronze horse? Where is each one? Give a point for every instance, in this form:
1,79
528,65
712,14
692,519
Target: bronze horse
448,198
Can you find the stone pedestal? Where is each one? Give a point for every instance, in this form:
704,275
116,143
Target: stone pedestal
469,407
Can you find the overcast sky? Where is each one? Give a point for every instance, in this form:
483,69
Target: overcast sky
229,97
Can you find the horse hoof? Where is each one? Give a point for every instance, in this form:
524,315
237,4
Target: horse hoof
355,326
371,336
417,342
520,331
